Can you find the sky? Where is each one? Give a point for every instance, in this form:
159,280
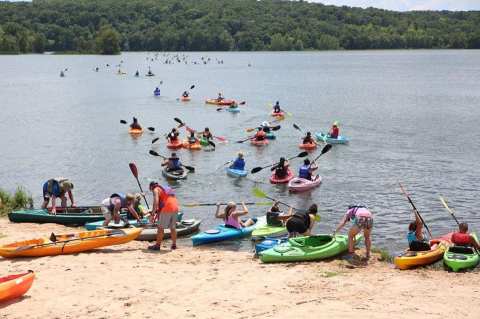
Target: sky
407,5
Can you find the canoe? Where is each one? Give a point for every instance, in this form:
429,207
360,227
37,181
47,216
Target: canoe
236,172
222,233
194,146
14,286
175,175
307,248
121,224
64,216
279,114
286,179
184,228
268,231
270,136
459,258
185,99
308,146
324,138
222,102
232,109
135,131
261,143
410,259
69,243
298,184
175,144
268,243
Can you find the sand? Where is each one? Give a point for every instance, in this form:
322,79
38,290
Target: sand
128,281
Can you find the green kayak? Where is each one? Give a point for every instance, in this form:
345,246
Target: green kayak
307,248
204,141
64,216
459,257
268,231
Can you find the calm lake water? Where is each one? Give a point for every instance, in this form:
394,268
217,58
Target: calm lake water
412,116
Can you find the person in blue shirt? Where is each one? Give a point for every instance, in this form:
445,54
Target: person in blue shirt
239,163
157,91
307,169
173,163
415,238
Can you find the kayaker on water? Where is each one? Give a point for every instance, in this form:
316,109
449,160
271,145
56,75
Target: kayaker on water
165,209
276,107
220,97
463,238
334,131
281,169
172,137
185,94
231,216
206,134
301,223
137,74
260,135
239,162
265,126
57,188
234,105
112,206
362,218
173,163
135,124
308,139
156,91
192,139
416,240
306,170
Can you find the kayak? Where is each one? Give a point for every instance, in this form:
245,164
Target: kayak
279,114
185,99
232,109
14,286
410,259
269,243
236,172
308,146
275,180
268,231
261,143
69,243
459,258
222,102
298,184
194,146
135,131
270,136
121,224
324,137
175,175
222,233
175,144
184,228
64,216
307,248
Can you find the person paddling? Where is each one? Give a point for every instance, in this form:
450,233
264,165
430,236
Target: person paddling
276,108
57,188
173,164
135,125
112,206
281,170
265,126
185,94
156,91
231,216
415,238
206,134
220,97
172,137
239,163
260,135
334,131
305,171
362,219
463,238
308,139
137,74
192,139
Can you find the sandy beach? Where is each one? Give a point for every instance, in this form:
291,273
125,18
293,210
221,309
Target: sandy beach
129,281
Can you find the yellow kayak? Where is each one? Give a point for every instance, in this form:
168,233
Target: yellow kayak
410,259
69,243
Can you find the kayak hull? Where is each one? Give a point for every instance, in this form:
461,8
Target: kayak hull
279,114
324,138
259,143
185,99
184,228
298,184
285,180
193,147
271,136
175,175
308,146
458,258
265,231
411,259
232,110
15,286
135,131
121,224
236,172
222,102
268,243
175,145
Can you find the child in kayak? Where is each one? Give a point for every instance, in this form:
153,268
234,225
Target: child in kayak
463,238
281,169
274,216
362,220
301,222
306,170
135,124
308,139
416,240
57,188
276,107
260,135
334,131
239,163
172,137
173,164
231,216
112,206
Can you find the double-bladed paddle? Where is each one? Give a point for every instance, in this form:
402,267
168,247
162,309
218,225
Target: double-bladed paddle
257,192
214,204
189,168
415,209
273,128
258,169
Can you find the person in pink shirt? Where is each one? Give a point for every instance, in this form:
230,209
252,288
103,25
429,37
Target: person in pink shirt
362,218
231,215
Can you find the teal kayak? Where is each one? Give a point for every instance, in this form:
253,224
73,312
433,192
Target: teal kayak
325,138
233,110
236,172
459,258
307,248
271,136
121,224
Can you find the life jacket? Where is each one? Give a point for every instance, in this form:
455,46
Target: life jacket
304,172
123,200
304,217
334,132
462,239
165,192
239,164
174,163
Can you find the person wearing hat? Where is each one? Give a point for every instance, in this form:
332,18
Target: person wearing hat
301,223
335,131
173,163
112,206
164,212
57,188
231,215
239,163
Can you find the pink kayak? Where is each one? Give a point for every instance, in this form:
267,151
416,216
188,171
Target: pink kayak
275,180
298,184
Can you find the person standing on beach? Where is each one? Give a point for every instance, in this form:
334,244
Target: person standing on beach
362,219
165,209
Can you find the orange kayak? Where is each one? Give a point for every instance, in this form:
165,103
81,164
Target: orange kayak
185,99
309,146
14,286
69,243
194,146
175,144
135,131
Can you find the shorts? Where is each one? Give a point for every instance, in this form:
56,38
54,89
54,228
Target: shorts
364,222
167,220
50,187
296,225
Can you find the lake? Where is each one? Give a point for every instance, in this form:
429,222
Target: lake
412,117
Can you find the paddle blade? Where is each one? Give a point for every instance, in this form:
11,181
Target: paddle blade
192,87
133,169
151,129
179,121
191,169
220,138
276,128
152,152
256,170
302,154
257,192
297,127
242,103
123,121
211,143
155,139
220,108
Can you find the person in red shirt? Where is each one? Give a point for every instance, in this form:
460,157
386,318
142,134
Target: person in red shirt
260,135
463,238
335,131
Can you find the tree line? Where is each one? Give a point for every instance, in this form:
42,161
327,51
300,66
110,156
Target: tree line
109,26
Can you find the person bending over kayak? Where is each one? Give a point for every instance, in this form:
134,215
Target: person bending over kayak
306,170
276,108
416,240
231,216
135,124
301,223
142,212
362,219
281,170
239,163
185,94
172,137
173,163
57,188
273,216
463,238
112,206
308,139
260,135
334,131
165,209
220,97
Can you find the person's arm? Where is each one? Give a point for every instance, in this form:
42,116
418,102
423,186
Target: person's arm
241,212
70,195
419,229
165,163
218,213
285,217
342,223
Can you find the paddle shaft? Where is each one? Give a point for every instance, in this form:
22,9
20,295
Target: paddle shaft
415,209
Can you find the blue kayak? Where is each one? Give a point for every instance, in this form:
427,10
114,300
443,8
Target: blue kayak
221,233
325,138
133,222
236,172
269,243
271,136
233,110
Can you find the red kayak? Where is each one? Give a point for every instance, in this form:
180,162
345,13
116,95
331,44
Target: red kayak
15,286
175,144
275,180
259,143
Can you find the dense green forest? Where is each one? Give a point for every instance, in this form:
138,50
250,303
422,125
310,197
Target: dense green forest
108,26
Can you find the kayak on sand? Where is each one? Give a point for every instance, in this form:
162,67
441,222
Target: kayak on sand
121,224
459,258
325,138
15,286
268,231
184,228
268,243
298,184
275,180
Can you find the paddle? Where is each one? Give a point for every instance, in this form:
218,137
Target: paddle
257,192
249,138
134,170
214,204
149,128
297,127
415,209
220,138
325,149
179,121
225,106
189,168
155,139
258,169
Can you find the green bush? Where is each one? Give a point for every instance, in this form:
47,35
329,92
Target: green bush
20,199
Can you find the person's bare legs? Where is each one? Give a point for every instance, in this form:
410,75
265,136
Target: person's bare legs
368,241
351,238
173,236
160,235
63,201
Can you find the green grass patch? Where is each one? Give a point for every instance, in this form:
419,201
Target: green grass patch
384,254
330,274
18,200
